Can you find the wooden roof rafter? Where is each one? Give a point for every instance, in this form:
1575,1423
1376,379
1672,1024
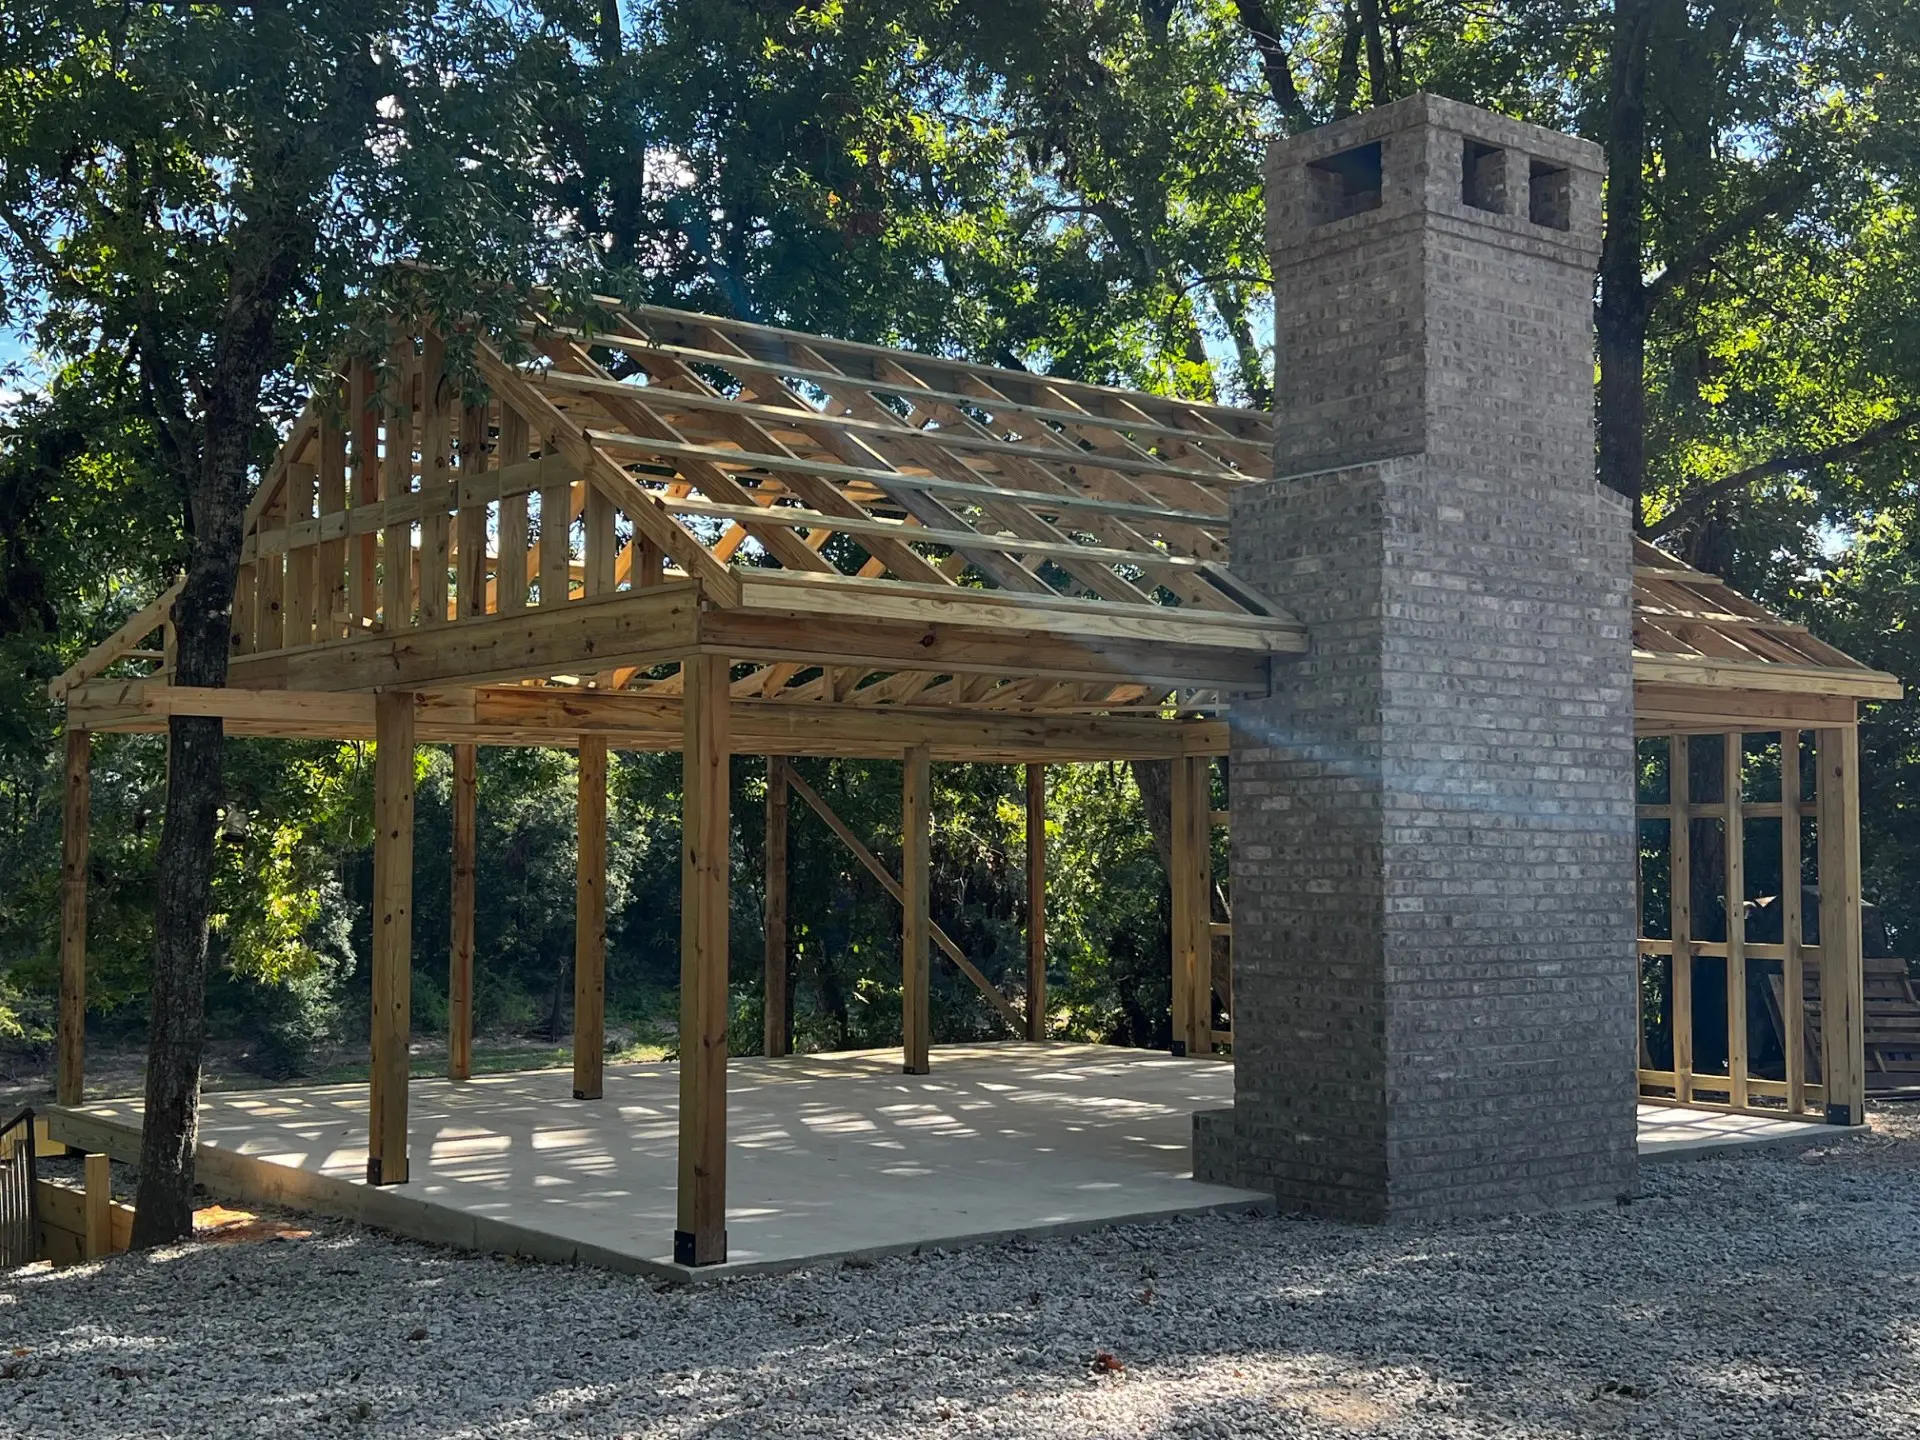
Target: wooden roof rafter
586,530
855,528
1691,629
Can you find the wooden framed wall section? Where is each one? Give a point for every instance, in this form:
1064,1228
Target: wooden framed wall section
1750,970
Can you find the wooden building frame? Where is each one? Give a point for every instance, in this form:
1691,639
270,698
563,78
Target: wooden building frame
672,531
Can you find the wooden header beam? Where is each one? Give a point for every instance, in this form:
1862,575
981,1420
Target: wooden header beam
517,715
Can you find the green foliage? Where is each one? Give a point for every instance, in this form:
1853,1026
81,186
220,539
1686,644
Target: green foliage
1071,188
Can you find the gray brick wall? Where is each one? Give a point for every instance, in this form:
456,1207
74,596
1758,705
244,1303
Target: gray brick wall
1433,872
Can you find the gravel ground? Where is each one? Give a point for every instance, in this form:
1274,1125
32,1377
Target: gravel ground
1747,1297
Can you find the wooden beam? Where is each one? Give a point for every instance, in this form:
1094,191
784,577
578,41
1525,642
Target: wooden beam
700,1235
1736,911
916,839
1661,709
1036,901
560,431
552,715
891,885
460,953
1793,987
858,597
139,625
1192,942
590,922
1680,891
1709,673
816,423
846,640
642,627
1842,968
777,1029
392,936
75,812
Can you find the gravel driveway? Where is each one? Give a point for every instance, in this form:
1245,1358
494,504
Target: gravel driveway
1757,1296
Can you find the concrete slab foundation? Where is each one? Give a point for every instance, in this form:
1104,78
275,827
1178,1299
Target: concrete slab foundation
1672,1132
831,1155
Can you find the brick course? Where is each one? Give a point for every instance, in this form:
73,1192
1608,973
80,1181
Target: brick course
1433,872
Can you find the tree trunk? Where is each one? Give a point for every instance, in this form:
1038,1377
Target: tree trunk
1624,302
1155,779
1346,78
184,879
1379,82
270,249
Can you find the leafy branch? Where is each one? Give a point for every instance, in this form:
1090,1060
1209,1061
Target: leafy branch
1696,503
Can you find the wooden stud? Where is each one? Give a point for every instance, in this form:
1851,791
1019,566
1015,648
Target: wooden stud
75,813
470,537
1192,941
556,532
1793,969
590,923
601,545
649,566
777,1030
1680,889
363,552
700,1236
436,453
97,1172
332,615
1036,901
302,599
392,935
1736,894
916,839
1842,968
460,956
269,586
510,585
243,631
396,479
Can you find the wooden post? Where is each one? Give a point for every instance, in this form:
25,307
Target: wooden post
1843,1057
916,925
1736,892
1680,889
777,1032
700,1236
1192,939
75,811
1793,968
1036,901
98,1201
460,955
590,922
392,935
